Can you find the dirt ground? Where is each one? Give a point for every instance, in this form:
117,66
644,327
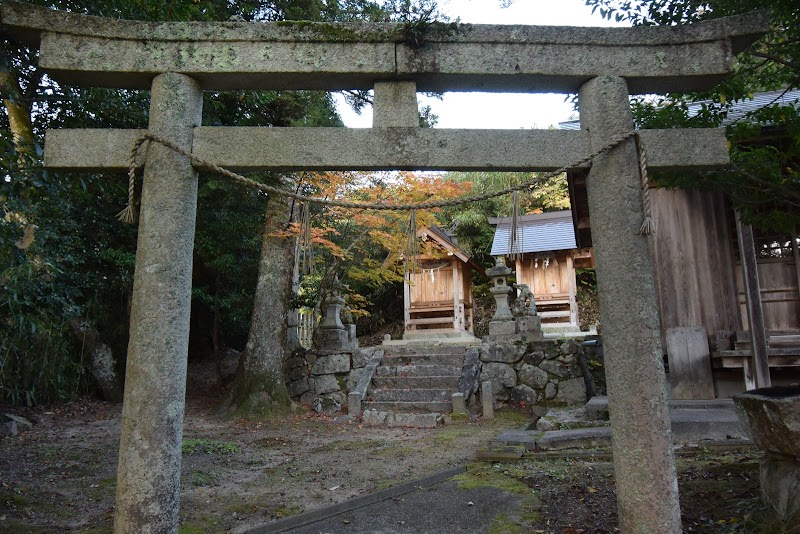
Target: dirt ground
239,474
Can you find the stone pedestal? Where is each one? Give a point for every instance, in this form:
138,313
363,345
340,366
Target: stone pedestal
771,417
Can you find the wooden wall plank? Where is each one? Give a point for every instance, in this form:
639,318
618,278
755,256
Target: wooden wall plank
689,363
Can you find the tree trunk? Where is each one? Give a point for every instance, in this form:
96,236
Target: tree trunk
259,389
19,117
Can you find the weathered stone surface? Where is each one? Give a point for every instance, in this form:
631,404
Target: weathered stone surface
569,347
333,363
534,357
297,373
11,424
470,371
502,328
324,384
374,417
148,477
572,391
298,387
644,463
568,359
555,367
352,378
331,403
256,149
78,49
395,105
780,485
459,406
550,390
524,394
360,358
295,362
533,376
502,352
771,416
502,376
487,399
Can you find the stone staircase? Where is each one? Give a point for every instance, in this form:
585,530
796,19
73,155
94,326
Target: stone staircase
413,385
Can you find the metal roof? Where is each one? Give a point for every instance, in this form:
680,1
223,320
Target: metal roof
737,110
540,232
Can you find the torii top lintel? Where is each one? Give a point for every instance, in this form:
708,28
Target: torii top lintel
94,51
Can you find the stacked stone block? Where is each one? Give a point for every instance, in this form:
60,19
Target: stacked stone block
533,372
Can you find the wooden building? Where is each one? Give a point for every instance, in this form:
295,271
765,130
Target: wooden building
704,286
705,328
438,288
549,257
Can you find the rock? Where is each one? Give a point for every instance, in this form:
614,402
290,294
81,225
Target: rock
307,398
326,405
295,362
780,485
572,391
501,375
333,363
360,358
297,373
546,424
771,417
324,384
567,359
534,357
532,376
468,383
11,425
502,352
555,368
550,390
569,347
352,379
374,417
551,353
524,394
298,387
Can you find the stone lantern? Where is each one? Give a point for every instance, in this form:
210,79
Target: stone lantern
502,291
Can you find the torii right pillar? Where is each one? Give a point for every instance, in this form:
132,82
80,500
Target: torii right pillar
637,396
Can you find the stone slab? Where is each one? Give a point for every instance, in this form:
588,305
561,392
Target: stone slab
77,49
245,149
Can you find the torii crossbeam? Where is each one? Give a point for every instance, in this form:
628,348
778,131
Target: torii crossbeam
177,61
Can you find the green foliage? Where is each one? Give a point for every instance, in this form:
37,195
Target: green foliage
765,144
474,232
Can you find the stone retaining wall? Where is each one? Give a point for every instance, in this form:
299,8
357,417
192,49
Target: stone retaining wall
533,372
322,381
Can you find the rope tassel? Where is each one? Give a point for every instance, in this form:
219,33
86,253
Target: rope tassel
514,248
648,227
412,243
306,239
130,214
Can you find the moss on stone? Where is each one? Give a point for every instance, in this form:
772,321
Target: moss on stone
257,397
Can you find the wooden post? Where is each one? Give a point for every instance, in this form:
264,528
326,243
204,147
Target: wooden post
148,479
458,320
573,291
796,252
752,296
407,299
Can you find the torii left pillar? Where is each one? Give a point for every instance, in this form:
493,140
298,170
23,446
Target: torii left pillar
148,478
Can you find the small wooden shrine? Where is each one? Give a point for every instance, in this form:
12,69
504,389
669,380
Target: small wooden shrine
547,257
438,288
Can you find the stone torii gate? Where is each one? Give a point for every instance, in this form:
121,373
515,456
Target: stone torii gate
178,61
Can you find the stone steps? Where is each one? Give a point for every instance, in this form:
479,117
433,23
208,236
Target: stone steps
418,370
411,395
414,380
408,382
437,358
409,407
